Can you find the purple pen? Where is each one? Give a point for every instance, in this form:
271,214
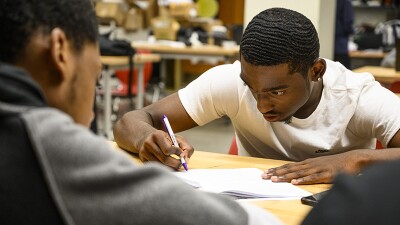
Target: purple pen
168,127
184,163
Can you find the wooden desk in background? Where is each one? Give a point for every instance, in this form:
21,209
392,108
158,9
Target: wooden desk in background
111,63
366,57
382,74
205,53
367,54
288,211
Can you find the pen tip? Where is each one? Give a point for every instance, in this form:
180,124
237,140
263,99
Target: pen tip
185,166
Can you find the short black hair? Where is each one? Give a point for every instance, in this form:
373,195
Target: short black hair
276,36
21,19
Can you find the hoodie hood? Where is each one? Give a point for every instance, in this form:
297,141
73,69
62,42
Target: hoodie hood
18,88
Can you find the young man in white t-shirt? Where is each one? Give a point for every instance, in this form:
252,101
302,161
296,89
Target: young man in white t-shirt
284,103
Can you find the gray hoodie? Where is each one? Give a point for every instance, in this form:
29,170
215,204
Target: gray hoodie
90,182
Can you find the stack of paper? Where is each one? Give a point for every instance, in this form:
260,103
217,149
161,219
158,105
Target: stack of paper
240,183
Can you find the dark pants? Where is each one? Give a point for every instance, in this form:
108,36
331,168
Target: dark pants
344,59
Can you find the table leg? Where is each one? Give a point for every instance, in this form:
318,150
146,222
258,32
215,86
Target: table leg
177,74
107,102
163,72
140,86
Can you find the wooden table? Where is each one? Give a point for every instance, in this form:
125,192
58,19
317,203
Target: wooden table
381,74
178,53
288,211
111,63
367,54
366,57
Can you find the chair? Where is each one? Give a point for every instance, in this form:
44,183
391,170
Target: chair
123,77
233,149
122,90
395,86
120,87
379,145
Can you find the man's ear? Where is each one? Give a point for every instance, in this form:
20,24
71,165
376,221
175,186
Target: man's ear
318,69
61,54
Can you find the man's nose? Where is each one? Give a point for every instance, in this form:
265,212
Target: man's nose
264,104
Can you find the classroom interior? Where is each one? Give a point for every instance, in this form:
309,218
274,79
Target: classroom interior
188,37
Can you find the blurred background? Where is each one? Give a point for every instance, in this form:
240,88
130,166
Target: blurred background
187,37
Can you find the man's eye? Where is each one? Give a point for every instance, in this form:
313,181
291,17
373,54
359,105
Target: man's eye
278,93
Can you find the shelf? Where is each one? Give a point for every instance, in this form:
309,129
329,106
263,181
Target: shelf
375,6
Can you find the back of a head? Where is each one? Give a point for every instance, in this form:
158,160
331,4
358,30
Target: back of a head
276,36
21,19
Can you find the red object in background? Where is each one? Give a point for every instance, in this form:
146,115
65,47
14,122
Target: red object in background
123,76
379,145
233,150
395,86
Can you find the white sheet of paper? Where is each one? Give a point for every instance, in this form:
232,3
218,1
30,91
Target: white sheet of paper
242,183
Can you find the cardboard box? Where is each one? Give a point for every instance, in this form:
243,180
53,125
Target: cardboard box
164,28
107,11
149,9
134,20
205,23
182,10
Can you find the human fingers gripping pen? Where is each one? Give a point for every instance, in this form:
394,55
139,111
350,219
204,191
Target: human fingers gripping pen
167,126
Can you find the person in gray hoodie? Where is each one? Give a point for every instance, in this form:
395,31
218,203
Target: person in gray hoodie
53,170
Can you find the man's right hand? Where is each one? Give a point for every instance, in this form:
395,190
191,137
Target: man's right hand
141,131
158,147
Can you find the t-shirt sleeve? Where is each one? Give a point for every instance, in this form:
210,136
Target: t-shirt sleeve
213,94
377,113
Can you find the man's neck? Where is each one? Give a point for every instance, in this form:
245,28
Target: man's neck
307,109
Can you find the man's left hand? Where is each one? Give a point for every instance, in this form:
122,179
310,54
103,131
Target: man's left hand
316,170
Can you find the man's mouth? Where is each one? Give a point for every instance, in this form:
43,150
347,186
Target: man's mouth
271,117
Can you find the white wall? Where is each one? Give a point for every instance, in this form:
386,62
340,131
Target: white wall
322,14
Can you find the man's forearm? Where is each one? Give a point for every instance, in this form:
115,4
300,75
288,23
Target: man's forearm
132,129
372,156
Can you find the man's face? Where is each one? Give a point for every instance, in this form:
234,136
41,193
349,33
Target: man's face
82,89
279,95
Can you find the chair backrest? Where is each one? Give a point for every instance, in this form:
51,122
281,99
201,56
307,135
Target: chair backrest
123,76
233,149
379,145
395,86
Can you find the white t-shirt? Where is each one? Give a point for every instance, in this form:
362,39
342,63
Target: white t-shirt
353,112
